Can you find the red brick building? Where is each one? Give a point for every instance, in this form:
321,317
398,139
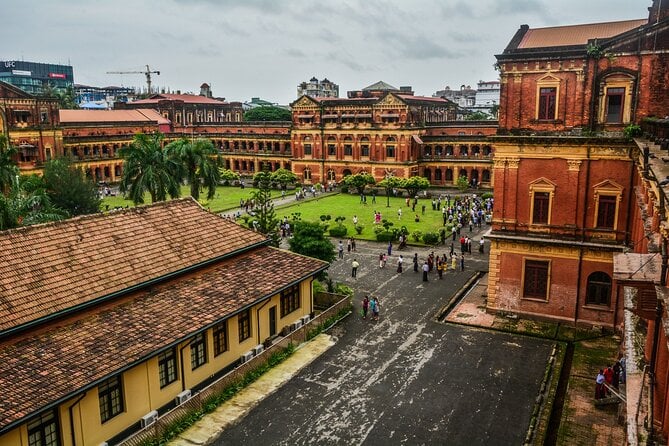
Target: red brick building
579,227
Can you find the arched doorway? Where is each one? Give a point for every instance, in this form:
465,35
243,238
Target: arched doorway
427,173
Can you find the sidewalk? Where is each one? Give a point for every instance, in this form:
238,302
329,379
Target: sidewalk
211,425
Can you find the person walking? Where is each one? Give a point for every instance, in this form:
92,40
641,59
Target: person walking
381,262
454,261
365,307
375,308
400,260
348,245
399,214
440,268
600,390
390,249
354,268
353,244
341,250
415,263
462,262
426,269
481,245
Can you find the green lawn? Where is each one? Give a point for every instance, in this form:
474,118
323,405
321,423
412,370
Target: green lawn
227,197
346,205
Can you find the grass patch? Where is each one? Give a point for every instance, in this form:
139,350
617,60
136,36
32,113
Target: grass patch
464,315
347,205
329,322
226,198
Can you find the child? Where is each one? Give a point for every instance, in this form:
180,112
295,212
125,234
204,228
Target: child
375,308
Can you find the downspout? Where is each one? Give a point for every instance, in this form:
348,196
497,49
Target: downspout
653,360
580,251
181,363
322,127
595,93
258,318
629,202
69,409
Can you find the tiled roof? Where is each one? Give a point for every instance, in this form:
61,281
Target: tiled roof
187,98
410,97
115,116
576,34
44,368
49,268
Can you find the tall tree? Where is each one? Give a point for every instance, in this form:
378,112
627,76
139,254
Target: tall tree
69,189
228,176
284,177
8,168
198,164
27,203
265,220
390,183
309,240
147,168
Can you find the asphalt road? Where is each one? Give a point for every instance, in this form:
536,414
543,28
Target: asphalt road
405,379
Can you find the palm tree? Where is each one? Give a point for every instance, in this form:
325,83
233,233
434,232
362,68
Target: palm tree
8,168
27,203
147,168
199,166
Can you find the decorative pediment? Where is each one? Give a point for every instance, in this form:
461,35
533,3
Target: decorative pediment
304,101
608,187
542,184
10,91
548,78
390,100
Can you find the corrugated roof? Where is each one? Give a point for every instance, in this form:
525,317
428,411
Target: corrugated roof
576,34
54,364
187,98
49,268
116,116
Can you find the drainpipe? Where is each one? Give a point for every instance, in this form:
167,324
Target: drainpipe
258,318
181,363
578,284
69,409
580,252
653,360
629,204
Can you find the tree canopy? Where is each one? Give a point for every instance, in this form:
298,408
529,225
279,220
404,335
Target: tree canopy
197,164
227,176
477,116
309,240
147,168
8,168
358,181
265,220
283,177
268,113
415,184
27,203
69,189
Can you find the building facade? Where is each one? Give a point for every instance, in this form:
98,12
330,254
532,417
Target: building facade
136,310
32,125
32,77
318,89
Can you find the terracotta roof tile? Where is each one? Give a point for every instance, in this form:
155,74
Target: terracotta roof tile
117,116
39,370
187,98
53,267
576,34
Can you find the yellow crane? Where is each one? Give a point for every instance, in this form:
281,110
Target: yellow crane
147,73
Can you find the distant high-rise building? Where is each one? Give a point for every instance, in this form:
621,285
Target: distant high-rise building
32,77
318,89
465,97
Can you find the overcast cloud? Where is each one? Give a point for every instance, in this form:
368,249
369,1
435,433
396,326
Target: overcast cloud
265,48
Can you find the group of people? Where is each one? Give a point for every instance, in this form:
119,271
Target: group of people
370,304
610,377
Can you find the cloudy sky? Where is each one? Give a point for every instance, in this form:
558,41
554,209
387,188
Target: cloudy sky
265,48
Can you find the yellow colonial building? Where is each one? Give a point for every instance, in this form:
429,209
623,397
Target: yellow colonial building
108,321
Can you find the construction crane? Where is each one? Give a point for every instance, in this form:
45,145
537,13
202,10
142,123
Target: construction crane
147,73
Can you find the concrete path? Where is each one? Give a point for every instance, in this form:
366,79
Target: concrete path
405,379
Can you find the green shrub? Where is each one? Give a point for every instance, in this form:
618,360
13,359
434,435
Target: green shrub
416,235
378,229
486,195
338,231
359,229
632,131
385,236
431,238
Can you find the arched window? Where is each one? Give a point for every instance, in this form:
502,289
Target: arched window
487,150
390,147
476,150
307,145
464,151
449,150
437,175
485,176
306,174
449,175
332,146
599,289
438,151
463,173
427,173
346,172
332,176
348,146
427,151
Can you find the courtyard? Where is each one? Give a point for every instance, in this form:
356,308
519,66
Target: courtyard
405,378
